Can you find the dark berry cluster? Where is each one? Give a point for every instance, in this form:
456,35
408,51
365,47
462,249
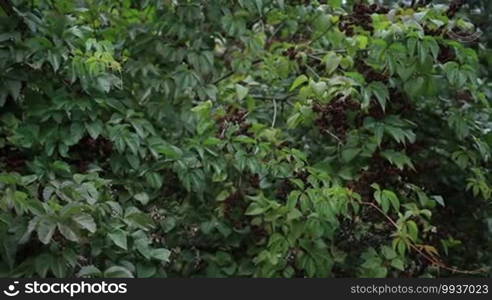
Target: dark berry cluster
234,207
234,116
369,73
446,53
454,7
399,102
284,189
414,148
13,159
88,150
286,186
350,237
433,31
259,232
361,16
424,170
464,96
254,181
332,117
172,186
290,53
376,111
379,171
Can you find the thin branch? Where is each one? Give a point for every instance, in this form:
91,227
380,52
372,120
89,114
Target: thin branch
313,71
272,37
274,112
429,258
320,36
9,10
279,97
7,7
315,57
227,75
333,136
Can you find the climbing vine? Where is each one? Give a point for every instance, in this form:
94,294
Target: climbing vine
262,138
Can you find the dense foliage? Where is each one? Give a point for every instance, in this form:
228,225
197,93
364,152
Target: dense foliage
254,138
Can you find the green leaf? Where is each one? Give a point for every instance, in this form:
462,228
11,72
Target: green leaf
42,264
203,109
161,254
58,267
170,151
68,232
241,91
154,179
388,252
398,264
142,198
117,272
349,154
385,204
45,230
335,3
119,238
293,214
94,128
8,250
244,139
54,60
438,199
133,142
292,199
89,271
433,46
400,246
413,230
14,88
331,61
140,220
362,41
299,80
104,84
405,71
392,198
145,270
379,90
397,158
207,227
255,209
294,120
318,87
86,222
413,87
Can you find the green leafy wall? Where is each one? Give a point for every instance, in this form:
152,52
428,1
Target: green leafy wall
265,138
